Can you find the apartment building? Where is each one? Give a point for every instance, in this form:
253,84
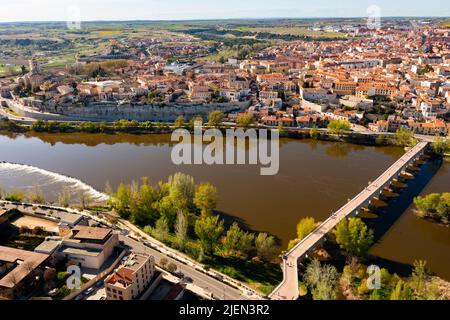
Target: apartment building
345,88
131,279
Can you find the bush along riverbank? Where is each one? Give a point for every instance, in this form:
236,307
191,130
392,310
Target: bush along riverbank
134,127
336,131
434,207
120,126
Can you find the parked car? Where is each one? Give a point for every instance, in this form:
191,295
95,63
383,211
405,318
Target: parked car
148,243
53,292
187,280
88,291
99,284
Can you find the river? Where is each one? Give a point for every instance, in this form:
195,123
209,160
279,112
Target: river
315,178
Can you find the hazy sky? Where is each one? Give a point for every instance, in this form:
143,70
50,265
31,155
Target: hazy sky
62,10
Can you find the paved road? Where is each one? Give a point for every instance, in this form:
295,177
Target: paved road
24,120
288,289
220,290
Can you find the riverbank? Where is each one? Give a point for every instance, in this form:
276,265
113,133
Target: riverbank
143,128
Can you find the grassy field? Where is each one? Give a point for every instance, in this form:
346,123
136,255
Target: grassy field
294,31
263,277
6,70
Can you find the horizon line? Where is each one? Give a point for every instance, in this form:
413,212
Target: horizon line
225,19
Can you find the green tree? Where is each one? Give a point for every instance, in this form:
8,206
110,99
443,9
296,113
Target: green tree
265,246
181,228
443,208
339,127
172,267
103,126
208,229
168,210
237,241
64,197
245,120
375,295
37,196
321,280
314,133
427,204
194,120
441,145
354,236
401,291
418,279
182,190
15,196
121,200
161,229
206,198
84,199
179,122
215,118
305,227
143,210
281,131
292,244
404,137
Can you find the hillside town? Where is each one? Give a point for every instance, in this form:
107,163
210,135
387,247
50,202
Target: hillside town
380,79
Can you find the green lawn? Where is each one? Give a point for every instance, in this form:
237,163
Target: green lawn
263,277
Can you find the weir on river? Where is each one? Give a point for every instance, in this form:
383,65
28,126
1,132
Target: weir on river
74,184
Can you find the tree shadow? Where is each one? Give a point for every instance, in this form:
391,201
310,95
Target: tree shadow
400,268
229,219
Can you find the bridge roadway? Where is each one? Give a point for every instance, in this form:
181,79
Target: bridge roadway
288,288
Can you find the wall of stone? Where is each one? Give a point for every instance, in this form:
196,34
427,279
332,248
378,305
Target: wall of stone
114,111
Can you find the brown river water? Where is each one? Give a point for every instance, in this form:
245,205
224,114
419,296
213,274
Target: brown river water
315,179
